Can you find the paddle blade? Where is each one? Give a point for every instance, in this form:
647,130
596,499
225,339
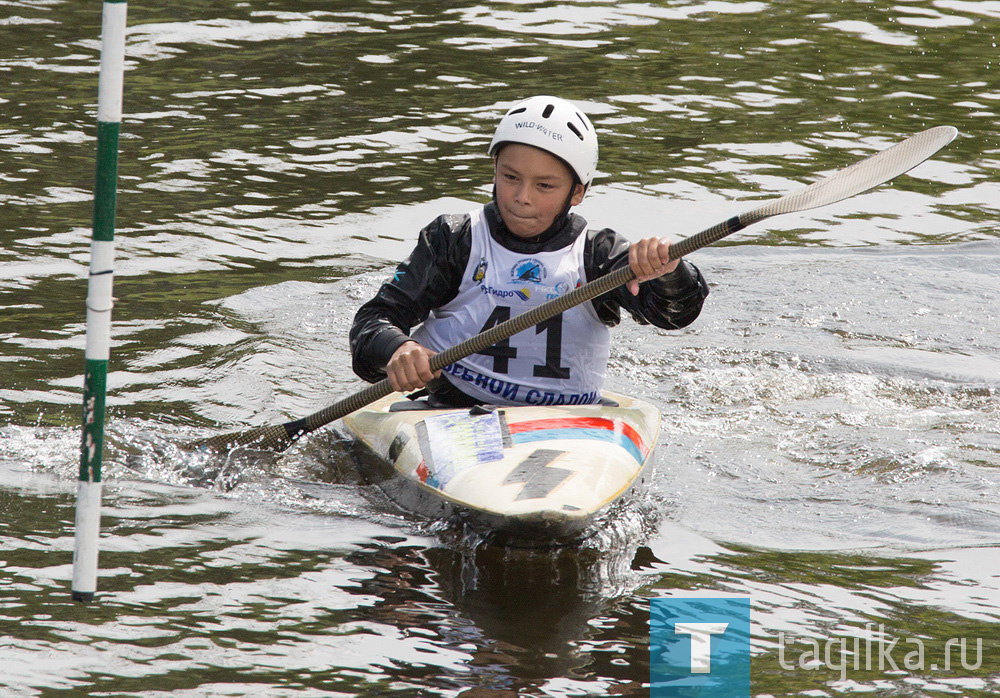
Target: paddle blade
863,175
843,184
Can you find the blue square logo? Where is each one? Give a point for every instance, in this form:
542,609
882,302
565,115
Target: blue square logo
699,648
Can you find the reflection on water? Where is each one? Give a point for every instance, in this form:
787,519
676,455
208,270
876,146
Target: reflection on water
830,442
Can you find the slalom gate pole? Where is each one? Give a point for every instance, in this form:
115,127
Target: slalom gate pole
99,300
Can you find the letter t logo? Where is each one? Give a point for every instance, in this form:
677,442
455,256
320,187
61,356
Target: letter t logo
701,643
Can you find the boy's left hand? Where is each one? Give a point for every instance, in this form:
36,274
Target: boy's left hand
649,258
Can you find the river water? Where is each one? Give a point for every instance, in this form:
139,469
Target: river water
830,445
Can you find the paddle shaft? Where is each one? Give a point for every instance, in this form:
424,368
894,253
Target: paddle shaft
842,184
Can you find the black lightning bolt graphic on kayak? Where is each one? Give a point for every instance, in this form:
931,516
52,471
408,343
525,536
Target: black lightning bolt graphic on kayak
538,476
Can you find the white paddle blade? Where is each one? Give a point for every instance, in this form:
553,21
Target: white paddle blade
861,176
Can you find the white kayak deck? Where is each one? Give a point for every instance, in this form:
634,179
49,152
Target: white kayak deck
533,470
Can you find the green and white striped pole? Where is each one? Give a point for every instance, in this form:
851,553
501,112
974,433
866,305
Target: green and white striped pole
99,300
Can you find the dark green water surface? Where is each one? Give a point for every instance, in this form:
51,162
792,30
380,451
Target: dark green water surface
830,444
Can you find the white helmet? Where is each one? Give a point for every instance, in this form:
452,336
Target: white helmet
555,126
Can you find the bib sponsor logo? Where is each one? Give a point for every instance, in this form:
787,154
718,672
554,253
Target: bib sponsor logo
525,292
480,272
529,270
522,293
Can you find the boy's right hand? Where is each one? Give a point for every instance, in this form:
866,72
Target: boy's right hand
410,367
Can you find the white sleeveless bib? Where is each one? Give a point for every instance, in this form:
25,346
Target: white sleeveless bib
561,361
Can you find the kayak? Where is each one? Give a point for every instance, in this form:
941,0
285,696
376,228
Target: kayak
532,474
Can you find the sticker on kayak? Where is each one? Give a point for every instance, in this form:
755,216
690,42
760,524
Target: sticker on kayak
457,441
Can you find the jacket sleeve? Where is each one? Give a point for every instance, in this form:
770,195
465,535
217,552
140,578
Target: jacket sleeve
425,280
671,301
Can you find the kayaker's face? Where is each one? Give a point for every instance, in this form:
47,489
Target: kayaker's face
532,188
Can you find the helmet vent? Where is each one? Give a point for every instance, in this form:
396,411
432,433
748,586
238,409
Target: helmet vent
574,129
547,112
582,121
517,111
